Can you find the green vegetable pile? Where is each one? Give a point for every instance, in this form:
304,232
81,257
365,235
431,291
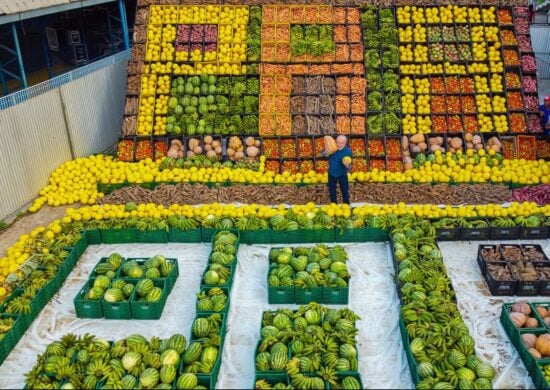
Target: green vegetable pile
254,31
311,39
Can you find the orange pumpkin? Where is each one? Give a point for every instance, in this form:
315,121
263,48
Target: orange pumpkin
330,144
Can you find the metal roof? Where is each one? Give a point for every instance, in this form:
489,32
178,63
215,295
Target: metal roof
16,10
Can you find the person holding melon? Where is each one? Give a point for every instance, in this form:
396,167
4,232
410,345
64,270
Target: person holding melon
339,163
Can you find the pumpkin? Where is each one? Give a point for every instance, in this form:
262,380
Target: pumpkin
531,323
417,138
468,137
536,354
455,143
230,152
197,150
252,151
543,312
529,339
216,143
249,141
238,155
193,143
330,144
543,344
518,319
546,321
208,139
521,307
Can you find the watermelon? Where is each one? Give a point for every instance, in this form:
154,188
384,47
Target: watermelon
342,365
281,321
262,361
152,273
348,351
209,356
345,325
466,374
154,295
313,317
95,293
456,358
166,268
144,287
278,361
168,374
115,259
269,331
149,377
192,353
102,268
443,386
465,384
113,295
178,342
127,290
170,357
187,381
201,327
483,383
130,360
119,283
135,272
472,362
350,383
90,382
102,282
128,382
278,346
136,339
425,370
211,278
484,370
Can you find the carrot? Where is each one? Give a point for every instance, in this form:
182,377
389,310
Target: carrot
297,14
282,104
340,15
268,33
343,84
358,84
283,33
340,34
311,14
267,84
320,69
284,84
358,69
358,104
342,52
268,14
283,52
327,57
267,124
354,34
342,104
271,69
283,14
356,51
342,124
297,69
268,52
267,103
341,68
325,14
283,124
353,16
357,125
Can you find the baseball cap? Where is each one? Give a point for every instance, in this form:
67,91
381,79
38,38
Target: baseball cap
547,98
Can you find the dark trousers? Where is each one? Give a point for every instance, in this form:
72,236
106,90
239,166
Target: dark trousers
344,187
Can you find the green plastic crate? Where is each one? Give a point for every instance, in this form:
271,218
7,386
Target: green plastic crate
118,236
11,337
270,374
68,264
528,359
287,236
87,308
260,236
157,236
207,234
407,346
533,233
227,303
93,236
539,380
351,235
318,235
142,310
306,295
335,295
118,310
185,236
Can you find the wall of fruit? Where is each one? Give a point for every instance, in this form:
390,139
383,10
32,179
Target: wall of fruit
233,82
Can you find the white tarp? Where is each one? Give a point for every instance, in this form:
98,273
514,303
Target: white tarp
382,361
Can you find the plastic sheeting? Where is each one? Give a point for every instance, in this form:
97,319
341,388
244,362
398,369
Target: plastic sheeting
382,361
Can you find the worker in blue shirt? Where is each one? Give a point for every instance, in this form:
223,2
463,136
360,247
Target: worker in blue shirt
545,115
338,169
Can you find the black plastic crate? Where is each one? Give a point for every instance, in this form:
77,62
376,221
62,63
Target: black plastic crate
481,260
504,233
500,287
525,248
526,287
510,258
475,233
533,233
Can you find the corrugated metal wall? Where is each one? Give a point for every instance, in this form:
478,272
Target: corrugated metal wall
540,38
73,120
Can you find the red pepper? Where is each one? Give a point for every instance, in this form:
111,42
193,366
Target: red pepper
468,104
455,124
512,80
290,166
511,58
160,150
437,85
470,124
271,149
526,147
357,146
509,149
306,166
438,104
321,166
504,16
453,104
452,84
508,38
395,165
359,165
288,148
440,124
515,101
305,148
125,150
144,149
272,165
393,147
517,123
543,148
466,85
380,164
376,147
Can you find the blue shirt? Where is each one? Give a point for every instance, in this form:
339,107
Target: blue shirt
335,165
545,118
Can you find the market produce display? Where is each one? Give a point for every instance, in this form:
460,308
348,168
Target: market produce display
308,347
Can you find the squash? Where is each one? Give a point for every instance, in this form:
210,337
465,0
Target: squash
216,143
257,143
417,138
543,344
531,323
252,151
208,139
207,147
436,141
468,137
521,307
546,321
518,319
197,150
536,354
529,339
238,156
423,146
543,311
249,141
230,152
330,144
193,143
455,143
218,150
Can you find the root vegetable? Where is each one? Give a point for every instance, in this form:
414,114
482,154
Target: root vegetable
405,142
456,143
257,143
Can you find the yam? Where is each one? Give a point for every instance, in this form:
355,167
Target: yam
415,149
436,141
494,141
405,142
417,138
235,142
177,143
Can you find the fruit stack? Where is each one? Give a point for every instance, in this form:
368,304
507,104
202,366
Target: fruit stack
124,289
290,354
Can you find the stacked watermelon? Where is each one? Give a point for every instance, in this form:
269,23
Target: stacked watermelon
289,347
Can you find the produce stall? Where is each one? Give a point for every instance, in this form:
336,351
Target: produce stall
205,254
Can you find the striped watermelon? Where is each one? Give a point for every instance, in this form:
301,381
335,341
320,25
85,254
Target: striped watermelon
166,268
483,383
342,365
425,370
149,377
113,295
130,360
127,290
209,356
154,295
350,383
135,272
464,384
348,351
144,287
279,346
90,382
103,282
135,340
262,361
178,342
193,353
95,293
102,268
187,381
484,370
170,357
456,358
466,374
278,360
128,382
119,283
268,331
168,374
201,327
281,321
152,273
